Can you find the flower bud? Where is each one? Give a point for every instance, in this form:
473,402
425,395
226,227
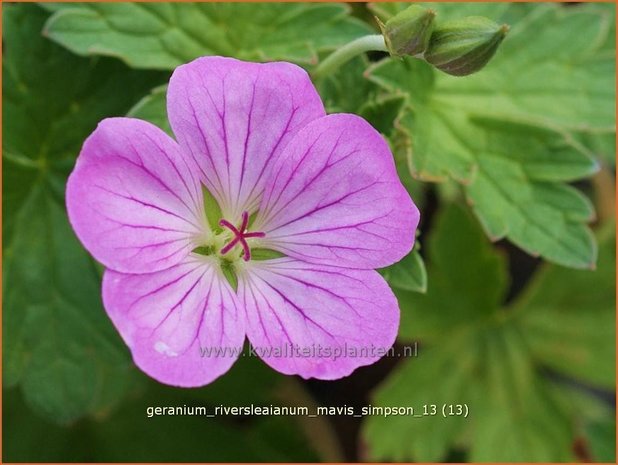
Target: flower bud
408,32
463,47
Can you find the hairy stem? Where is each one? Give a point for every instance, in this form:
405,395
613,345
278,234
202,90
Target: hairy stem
374,42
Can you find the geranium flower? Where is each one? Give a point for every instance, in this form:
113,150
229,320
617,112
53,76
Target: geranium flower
257,166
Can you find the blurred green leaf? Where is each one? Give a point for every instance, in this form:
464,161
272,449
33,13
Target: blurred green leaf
434,378
602,440
59,345
54,101
456,247
165,35
231,389
507,133
194,438
569,319
494,359
594,415
516,419
130,435
27,437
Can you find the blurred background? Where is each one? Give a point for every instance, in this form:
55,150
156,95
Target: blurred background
508,300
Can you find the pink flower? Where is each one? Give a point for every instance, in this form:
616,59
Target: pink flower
321,190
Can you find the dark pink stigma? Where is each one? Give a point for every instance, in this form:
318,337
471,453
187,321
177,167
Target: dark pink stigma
240,235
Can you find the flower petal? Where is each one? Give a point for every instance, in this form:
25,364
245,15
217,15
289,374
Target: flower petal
234,116
133,200
337,319
171,318
335,198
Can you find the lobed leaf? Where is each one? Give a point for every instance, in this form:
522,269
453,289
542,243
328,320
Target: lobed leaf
165,35
495,359
508,133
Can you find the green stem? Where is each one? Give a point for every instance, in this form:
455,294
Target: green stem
374,42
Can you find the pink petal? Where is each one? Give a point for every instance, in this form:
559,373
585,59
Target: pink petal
335,198
290,303
133,199
169,317
234,117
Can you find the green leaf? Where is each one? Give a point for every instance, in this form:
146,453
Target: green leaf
602,142
516,192
152,108
455,296
569,318
495,359
516,122
409,274
449,11
59,345
544,75
347,90
165,35
383,112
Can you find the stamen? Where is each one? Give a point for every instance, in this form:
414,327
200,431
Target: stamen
230,246
240,236
230,226
245,222
254,234
246,250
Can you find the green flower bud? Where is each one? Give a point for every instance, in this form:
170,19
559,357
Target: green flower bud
463,47
408,32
